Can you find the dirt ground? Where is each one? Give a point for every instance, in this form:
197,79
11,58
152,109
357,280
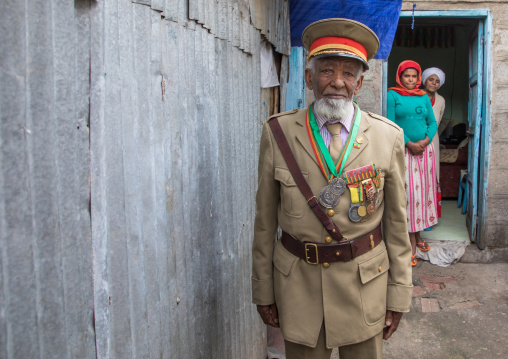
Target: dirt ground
457,312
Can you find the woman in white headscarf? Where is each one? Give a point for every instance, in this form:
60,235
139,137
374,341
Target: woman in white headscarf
432,79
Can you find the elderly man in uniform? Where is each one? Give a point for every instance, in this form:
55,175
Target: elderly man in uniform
332,178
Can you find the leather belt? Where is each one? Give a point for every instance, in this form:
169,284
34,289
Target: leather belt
314,253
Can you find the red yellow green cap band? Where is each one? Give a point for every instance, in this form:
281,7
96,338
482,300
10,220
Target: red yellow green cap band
331,44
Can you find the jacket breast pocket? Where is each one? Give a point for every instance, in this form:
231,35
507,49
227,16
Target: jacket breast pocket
373,286
293,203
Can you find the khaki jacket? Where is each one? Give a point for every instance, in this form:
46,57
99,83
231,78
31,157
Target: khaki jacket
351,297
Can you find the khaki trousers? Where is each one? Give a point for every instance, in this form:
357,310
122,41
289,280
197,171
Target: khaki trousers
370,349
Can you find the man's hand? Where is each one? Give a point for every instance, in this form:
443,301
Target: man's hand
269,314
392,320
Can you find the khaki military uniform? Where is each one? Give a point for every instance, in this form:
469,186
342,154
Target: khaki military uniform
350,298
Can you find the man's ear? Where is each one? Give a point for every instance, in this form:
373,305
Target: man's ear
359,85
308,79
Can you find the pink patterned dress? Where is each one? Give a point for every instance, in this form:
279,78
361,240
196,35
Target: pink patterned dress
421,188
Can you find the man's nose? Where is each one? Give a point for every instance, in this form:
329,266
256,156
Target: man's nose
338,81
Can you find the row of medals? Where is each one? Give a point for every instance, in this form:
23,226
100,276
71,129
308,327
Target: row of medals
329,197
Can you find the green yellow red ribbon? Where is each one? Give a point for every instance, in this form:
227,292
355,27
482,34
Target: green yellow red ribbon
325,161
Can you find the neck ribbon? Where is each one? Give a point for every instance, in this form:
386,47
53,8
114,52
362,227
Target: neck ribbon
325,161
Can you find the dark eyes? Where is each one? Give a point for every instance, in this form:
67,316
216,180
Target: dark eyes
329,72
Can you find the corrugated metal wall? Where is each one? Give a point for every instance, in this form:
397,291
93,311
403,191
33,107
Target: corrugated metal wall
233,20
46,291
130,238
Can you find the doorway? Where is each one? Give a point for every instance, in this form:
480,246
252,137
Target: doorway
458,42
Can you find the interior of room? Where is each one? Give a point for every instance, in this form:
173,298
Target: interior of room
443,43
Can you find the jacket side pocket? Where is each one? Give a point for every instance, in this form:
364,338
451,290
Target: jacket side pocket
373,286
282,259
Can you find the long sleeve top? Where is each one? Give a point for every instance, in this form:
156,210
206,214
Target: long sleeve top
413,114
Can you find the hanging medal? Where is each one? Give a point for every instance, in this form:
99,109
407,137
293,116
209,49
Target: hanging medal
370,193
329,196
354,216
371,208
355,202
362,210
361,183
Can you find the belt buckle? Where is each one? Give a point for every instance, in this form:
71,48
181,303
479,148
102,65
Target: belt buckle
307,247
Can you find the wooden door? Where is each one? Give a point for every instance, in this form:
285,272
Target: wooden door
474,122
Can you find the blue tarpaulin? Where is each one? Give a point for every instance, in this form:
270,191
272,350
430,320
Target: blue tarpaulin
382,16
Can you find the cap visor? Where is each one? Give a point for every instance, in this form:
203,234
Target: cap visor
342,54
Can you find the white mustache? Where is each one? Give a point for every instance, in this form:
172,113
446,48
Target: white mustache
334,109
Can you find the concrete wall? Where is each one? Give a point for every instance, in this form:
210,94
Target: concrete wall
370,96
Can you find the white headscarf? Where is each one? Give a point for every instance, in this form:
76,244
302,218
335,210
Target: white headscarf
433,71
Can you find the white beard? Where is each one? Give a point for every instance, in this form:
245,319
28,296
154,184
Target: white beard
333,109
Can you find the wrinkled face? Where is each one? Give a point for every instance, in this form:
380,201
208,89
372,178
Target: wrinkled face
432,83
335,78
408,78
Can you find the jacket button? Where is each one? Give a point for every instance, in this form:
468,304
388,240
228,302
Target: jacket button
337,253
326,265
331,213
380,268
328,240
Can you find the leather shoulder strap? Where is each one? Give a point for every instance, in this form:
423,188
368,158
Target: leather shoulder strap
300,180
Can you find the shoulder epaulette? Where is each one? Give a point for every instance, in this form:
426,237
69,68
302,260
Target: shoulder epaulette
283,113
384,119
375,115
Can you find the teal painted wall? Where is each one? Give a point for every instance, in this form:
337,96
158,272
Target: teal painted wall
295,97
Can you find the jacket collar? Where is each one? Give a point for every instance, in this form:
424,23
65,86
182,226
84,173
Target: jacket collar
303,137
